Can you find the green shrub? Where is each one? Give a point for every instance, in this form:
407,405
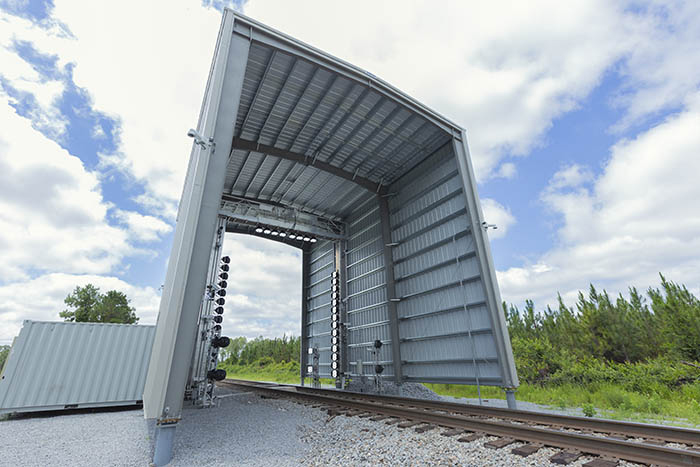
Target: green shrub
589,410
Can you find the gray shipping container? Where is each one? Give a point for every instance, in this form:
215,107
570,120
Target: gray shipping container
57,365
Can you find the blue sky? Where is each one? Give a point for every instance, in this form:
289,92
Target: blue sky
584,128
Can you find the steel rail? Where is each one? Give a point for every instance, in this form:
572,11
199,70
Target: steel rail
632,451
634,429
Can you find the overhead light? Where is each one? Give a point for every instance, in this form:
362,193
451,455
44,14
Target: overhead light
221,292
218,318
216,327
334,357
224,267
334,348
267,231
259,229
334,340
309,369
334,373
223,275
219,309
223,284
313,240
221,341
334,365
283,234
219,301
292,236
334,332
306,239
334,324
311,351
275,233
226,259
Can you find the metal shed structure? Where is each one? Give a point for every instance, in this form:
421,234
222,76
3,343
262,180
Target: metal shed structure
376,189
58,365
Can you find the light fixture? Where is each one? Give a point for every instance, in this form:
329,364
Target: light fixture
223,284
225,259
224,267
334,356
334,324
334,365
334,340
275,233
283,234
309,369
335,347
219,301
267,231
218,318
223,275
306,239
311,351
221,292
259,229
221,341
334,373
292,236
219,309
334,333
313,240
334,316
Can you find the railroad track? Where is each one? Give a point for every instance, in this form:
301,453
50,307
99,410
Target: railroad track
575,436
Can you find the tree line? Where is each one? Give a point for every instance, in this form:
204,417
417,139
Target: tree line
664,324
242,351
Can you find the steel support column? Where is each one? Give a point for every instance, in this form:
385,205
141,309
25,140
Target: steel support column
488,273
303,342
194,234
391,288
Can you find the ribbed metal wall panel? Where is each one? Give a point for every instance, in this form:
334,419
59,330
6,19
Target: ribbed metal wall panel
322,264
445,327
366,301
55,364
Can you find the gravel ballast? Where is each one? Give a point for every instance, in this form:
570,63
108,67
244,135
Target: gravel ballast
247,430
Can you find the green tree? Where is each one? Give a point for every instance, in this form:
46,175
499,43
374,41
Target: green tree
4,352
87,304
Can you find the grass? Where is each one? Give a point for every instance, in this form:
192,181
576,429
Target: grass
679,406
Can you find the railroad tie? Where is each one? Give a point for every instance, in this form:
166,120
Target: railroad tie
565,457
499,443
366,415
526,449
394,421
470,438
618,436
380,418
452,432
601,463
409,424
424,428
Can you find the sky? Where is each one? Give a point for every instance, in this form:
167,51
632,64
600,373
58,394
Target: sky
583,121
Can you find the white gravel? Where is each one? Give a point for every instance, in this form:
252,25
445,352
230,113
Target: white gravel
245,430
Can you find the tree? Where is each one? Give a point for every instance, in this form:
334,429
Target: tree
87,304
4,352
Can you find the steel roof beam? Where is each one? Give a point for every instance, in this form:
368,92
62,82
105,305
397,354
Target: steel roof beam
247,145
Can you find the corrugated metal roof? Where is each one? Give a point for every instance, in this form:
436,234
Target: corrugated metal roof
302,105
56,364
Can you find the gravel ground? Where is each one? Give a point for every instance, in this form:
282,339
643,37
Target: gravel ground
360,442
245,430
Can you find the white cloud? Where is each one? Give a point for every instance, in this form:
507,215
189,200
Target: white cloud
497,214
264,288
638,218
45,295
52,214
507,170
25,79
141,227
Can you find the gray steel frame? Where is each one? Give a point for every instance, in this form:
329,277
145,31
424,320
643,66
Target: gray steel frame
373,301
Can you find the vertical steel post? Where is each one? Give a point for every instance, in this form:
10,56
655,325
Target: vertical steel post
510,398
391,289
303,340
483,255
194,233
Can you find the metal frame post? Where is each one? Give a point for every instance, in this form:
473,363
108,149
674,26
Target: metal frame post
488,273
186,276
303,340
391,289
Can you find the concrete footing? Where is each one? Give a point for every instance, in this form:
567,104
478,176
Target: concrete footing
510,399
164,437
